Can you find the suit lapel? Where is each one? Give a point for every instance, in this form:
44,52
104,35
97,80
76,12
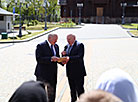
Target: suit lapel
73,47
48,47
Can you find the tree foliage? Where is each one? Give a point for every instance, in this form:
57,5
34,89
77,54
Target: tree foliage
0,4
31,8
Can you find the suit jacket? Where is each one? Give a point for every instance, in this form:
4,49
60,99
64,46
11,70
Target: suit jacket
46,69
75,67
30,91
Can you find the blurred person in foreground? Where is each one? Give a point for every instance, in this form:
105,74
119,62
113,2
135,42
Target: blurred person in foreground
30,91
75,69
98,96
119,83
47,55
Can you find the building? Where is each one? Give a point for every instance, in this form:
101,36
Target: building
5,21
100,11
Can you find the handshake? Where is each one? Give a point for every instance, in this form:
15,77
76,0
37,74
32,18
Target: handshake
63,60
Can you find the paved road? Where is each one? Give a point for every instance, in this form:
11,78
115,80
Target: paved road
106,47
95,31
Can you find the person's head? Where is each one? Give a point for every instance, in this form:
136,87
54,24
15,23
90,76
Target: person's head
55,37
52,38
71,39
119,83
30,91
98,96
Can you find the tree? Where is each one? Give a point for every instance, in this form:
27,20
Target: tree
0,4
33,8
52,8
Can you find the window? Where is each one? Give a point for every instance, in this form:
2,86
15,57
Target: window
131,2
1,18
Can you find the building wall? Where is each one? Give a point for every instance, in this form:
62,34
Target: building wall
103,11
6,24
3,24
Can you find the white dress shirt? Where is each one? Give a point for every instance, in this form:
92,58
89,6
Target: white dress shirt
120,84
53,48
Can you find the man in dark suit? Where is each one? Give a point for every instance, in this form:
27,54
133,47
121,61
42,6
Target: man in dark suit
47,55
75,68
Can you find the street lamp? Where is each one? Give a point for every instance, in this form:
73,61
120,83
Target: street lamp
71,14
65,14
29,3
123,5
56,16
53,14
27,6
79,5
36,13
36,10
20,28
45,15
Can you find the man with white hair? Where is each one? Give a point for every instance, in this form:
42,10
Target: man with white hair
47,55
75,67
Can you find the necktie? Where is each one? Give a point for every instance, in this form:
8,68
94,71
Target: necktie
52,50
69,49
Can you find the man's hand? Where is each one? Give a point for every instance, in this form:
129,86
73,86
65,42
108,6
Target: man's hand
54,58
63,53
66,61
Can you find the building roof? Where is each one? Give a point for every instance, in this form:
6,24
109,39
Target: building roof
5,12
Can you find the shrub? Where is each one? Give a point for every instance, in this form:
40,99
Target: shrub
36,22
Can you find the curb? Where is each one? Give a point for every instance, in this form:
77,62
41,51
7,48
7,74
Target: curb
132,34
29,39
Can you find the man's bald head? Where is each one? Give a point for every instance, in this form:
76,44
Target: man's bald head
71,38
52,38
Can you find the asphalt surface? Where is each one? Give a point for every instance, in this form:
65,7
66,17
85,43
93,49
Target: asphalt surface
106,47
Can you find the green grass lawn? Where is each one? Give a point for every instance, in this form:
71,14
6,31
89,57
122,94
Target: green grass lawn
132,25
66,24
29,35
134,32
23,36
39,26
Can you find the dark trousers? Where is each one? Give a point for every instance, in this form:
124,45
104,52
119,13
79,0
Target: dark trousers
76,87
51,88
